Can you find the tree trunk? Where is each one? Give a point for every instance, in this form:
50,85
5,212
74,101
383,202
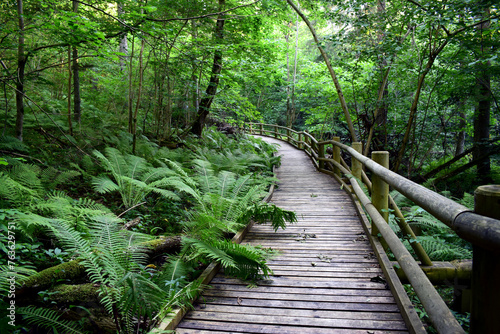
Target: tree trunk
130,92
123,46
330,69
134,121
21,64
460,136
413,110
482,111
77,101
70,124
206,101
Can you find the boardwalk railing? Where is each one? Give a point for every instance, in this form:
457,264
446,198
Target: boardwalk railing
482,231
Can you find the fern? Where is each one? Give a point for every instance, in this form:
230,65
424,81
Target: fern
12,144
21,273
263,212
440,250
133,177
49,319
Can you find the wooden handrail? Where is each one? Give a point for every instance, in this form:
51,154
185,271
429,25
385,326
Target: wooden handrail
480,230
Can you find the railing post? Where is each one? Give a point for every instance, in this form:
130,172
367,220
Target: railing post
336,155
300,141
380,189
261,129
287,134
275,131
321,155
485,269
356,166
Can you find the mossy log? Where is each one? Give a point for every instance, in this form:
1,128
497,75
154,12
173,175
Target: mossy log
73,269
47,276
79,293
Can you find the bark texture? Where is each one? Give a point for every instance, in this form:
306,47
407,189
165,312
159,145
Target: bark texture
206,101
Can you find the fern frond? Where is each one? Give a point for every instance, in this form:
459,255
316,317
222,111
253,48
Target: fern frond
141,296
49,319
28,223
440,250
201,248
250,261
263,212
103,185
12,144
21,273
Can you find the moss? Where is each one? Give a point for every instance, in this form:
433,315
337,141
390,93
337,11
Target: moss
46,277
81,293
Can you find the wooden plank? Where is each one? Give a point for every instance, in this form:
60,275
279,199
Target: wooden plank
274,289
360,299
298,321
270,329
305,313
303,305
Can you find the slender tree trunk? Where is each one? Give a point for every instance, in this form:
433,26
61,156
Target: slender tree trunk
413,110
123,46
130,92
77,101
141,72
482,111
460,136
206,101
21,64
343,104
381,91
70,124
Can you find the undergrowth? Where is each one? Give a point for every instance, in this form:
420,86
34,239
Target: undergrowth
204,191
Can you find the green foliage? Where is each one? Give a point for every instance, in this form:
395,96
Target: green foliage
133,177
263,212
115,260
437,239
50,320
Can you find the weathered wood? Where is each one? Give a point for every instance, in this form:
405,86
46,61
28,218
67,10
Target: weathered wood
326,278
380,189
486,268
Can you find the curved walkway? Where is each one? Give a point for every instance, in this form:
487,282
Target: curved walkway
326,277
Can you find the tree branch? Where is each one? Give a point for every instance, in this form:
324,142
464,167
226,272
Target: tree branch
203,16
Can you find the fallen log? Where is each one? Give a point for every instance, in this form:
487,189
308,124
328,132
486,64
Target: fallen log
73,269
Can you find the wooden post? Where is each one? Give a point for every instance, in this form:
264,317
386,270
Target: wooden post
275,131
380,189
356,166
336,156
300,142
485,269
288,135
321,155
261,126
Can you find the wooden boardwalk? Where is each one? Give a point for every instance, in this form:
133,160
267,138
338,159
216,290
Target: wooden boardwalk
326,277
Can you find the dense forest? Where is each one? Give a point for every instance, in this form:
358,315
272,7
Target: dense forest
121,135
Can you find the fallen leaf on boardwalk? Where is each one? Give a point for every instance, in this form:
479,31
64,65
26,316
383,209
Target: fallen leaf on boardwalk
378,279
239,300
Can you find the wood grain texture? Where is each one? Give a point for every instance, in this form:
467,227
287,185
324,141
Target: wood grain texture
326,277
